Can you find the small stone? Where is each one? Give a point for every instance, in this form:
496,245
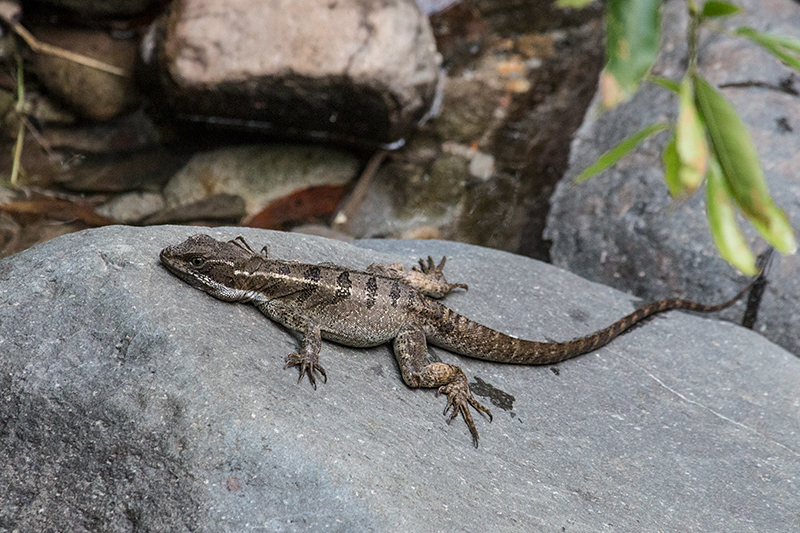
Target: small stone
482,166
422,233
132,207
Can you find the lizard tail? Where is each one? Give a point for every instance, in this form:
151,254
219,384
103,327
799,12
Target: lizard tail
475,340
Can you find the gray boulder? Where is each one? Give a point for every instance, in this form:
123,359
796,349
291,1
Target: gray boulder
621,228
351,69
132,402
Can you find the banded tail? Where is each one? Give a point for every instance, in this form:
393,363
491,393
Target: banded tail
475,340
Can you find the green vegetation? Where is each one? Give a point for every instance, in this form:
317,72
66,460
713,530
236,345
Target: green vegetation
710,143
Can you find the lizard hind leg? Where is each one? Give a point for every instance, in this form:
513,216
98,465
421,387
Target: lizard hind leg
428,278
410,350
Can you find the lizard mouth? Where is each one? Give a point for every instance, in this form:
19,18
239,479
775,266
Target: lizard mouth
173,264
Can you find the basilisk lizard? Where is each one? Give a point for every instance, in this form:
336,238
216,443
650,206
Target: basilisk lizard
376,306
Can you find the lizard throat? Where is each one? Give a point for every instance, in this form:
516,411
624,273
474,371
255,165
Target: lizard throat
207,284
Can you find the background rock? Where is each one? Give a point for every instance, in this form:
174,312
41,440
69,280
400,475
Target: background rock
134,402
259,174
516,104
353,70
103,7
91,93
622,229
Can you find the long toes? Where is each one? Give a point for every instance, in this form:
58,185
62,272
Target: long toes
478,407
292,359
321,370
307,368
460,402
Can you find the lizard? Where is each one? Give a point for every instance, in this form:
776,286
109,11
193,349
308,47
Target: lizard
379,305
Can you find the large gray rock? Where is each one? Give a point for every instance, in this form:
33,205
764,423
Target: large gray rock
131,401
351,69
622,229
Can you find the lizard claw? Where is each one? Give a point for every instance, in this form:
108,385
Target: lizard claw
307,368
436,274
459,398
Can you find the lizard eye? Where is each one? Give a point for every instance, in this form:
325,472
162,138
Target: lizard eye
197,261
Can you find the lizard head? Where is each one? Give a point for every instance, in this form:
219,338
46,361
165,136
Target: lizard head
207,264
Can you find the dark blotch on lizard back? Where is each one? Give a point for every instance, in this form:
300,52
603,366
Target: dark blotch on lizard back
394,293
372,292
312,273
343,285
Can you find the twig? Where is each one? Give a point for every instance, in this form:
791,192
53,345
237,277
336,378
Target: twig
44,48
21,128
342,219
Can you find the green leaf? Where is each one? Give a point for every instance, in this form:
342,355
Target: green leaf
741,168
787,49
664,82
672,166
572,4
734,149
619,151
633,31
777,230
712,9
721,215
690,141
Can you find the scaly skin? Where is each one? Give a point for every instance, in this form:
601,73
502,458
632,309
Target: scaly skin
380,305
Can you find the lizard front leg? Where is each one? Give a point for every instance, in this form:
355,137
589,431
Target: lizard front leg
310,345
308,358
411,350
428,278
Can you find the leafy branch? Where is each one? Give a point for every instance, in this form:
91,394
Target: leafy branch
709,143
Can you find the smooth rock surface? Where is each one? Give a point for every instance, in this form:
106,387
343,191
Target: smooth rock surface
622,229
258,174
354,70
132,402
91,93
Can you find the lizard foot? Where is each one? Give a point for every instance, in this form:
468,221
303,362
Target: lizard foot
307,368
435,273
460,398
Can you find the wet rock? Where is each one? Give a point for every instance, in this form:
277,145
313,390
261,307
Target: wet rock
89,92
352,70
259,174
622,229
